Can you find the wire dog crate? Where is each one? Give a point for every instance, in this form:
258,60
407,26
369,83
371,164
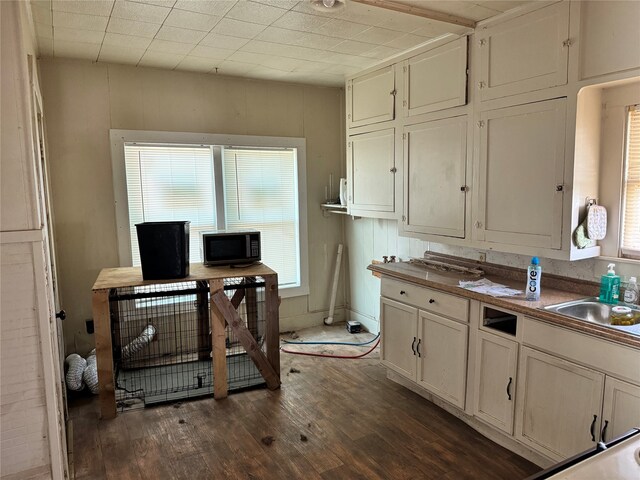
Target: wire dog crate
161,337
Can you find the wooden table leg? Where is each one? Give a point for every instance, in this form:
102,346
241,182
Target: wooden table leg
220,382
104,353
272,334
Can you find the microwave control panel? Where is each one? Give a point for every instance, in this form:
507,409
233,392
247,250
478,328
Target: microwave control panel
255,248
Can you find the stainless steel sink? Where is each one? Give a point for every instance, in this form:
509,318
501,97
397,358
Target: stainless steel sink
590,310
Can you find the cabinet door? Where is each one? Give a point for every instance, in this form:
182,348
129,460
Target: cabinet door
521,168
524,54
442,357
559,405
495,380
436,79
371,98
621,408
372,171
435,156
398,329
608,37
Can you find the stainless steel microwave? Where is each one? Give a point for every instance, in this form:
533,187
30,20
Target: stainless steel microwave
223,247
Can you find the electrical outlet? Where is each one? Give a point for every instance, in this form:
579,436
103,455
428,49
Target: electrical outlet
483,257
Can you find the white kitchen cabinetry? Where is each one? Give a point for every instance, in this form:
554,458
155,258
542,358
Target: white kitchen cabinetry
435,157
609,39
398,330
421,344
442,357
371,98
620,410
436,79
527,53
371,172
495,380
520,178
560,405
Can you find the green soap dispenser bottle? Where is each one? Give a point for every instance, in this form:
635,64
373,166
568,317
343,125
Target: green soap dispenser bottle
610,286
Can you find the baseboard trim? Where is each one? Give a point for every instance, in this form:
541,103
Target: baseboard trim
307,320
370,324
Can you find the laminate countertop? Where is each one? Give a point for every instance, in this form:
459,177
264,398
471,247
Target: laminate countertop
448,282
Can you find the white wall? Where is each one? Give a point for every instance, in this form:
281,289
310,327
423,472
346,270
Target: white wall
84,100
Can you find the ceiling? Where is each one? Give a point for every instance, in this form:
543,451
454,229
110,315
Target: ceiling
266,39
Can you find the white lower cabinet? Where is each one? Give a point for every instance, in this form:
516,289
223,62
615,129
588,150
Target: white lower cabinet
442,357
399,331
495,380
620,409
560,405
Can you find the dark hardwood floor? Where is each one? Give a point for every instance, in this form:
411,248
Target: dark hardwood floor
335,419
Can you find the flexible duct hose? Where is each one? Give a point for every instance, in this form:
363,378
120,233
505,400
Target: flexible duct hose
76,364
90,374
138,343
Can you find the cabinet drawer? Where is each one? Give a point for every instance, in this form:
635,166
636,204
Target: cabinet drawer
426,299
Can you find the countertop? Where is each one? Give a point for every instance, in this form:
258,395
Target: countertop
448,282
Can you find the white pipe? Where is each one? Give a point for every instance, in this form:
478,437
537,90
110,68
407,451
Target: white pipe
334,291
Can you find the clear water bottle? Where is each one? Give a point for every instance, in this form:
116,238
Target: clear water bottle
534,272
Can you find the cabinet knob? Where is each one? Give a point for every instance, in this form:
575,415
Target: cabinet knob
567,43
402,292
481,85
478,224
464,188
559,188
431,300
61,315
393,170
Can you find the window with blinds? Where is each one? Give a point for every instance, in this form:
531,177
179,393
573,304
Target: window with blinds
630,235
259,192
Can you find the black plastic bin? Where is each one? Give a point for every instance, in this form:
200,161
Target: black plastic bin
164,249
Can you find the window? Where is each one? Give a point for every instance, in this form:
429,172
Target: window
257,185
630,237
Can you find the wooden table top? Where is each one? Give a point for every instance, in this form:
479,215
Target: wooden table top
132,276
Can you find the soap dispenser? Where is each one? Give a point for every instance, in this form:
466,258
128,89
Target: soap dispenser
610,286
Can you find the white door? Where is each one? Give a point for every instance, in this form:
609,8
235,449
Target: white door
399,332
524,54
621,408
442,357
559,405
372,171
520,179
436,79
371,98
495,380
435,157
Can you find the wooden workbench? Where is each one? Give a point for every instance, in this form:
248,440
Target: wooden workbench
222,312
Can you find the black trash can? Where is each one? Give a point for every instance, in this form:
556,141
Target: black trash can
164,249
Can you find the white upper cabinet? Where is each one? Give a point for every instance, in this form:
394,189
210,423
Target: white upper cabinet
609,37
371,171
436,80
524,54
435,156
371,98
520,178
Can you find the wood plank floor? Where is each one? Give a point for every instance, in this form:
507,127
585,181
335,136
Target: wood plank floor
334,419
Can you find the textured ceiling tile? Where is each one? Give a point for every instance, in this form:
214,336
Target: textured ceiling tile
377,35
45,46
351,47
305,7
41,14
211,7
88,7
77,20
160,3
229,67
125,41
191,20
340,29
267,73
431,28
381,52
164,46
160,59
197,64
71,35
116,54
294,37
140,11
501,5
313,40
406,41
223,41
245,57
300,21
236,28
279,35
255,12
210,52
75,49
286,4
175,34
279,63
132,27
401,22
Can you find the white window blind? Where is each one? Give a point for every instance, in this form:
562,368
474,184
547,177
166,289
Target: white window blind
261,193
630,244
167,183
